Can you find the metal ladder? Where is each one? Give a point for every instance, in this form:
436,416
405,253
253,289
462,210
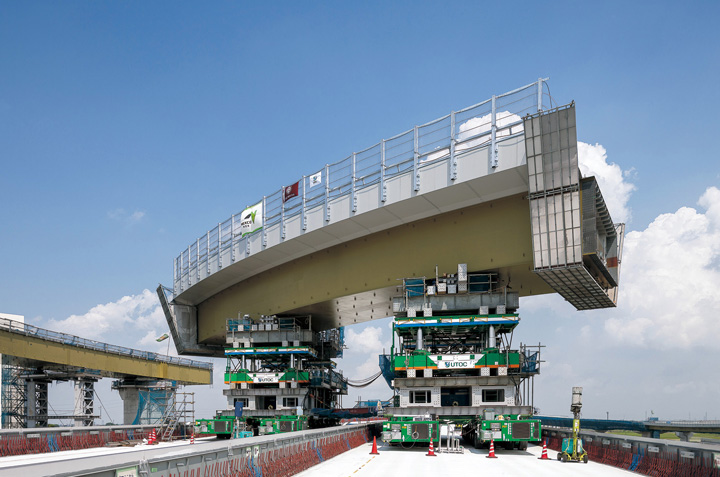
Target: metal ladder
180,408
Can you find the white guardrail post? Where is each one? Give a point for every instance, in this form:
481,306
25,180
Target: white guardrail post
453,159
383,191
353,199
282,212
327,193
219,245
303,223
416,161
540,87
493,136
264,220
232,238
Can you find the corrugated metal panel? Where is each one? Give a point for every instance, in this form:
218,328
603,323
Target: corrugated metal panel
575,244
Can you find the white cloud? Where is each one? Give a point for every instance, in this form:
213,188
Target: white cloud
669,280
482,125
611,179
118,321
369,368
121,215
368,340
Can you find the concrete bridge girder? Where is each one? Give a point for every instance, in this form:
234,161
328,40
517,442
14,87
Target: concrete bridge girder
532,219
354,282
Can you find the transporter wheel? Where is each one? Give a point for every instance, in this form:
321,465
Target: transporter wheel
564,457
523,446
585,458
559,455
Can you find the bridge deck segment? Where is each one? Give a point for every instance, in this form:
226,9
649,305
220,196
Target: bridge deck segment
33,347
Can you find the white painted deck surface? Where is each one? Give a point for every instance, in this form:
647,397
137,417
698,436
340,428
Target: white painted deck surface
36,465
394,462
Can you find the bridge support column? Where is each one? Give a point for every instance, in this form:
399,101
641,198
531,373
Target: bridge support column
144,400
84,402
684,435
36,393
651,434
130,396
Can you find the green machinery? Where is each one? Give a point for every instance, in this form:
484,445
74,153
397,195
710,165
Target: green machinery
512,431
282,365
224,427
281,424
454,363
572,447
410,430
278,370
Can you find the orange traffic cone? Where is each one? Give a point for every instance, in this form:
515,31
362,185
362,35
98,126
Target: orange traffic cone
544,455
431,452
374,449
491,455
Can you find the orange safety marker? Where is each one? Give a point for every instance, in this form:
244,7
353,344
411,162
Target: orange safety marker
492,455
374,449
192,438
431,452
544,455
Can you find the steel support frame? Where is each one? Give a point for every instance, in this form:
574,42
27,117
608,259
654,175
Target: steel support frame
84,401
14,397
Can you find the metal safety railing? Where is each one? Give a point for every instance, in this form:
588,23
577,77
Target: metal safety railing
20,328
449,137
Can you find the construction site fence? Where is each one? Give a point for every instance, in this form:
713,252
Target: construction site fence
643,459
55,439
279,455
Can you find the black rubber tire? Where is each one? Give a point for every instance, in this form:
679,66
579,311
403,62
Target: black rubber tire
559,456
585,458
564,458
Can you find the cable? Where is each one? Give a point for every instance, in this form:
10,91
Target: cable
363,383
364,380
103,406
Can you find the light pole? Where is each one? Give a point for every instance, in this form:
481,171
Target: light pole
160,339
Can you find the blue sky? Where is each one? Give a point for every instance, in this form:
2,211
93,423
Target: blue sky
127,129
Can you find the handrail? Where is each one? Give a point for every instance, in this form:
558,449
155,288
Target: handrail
21,328
451,136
